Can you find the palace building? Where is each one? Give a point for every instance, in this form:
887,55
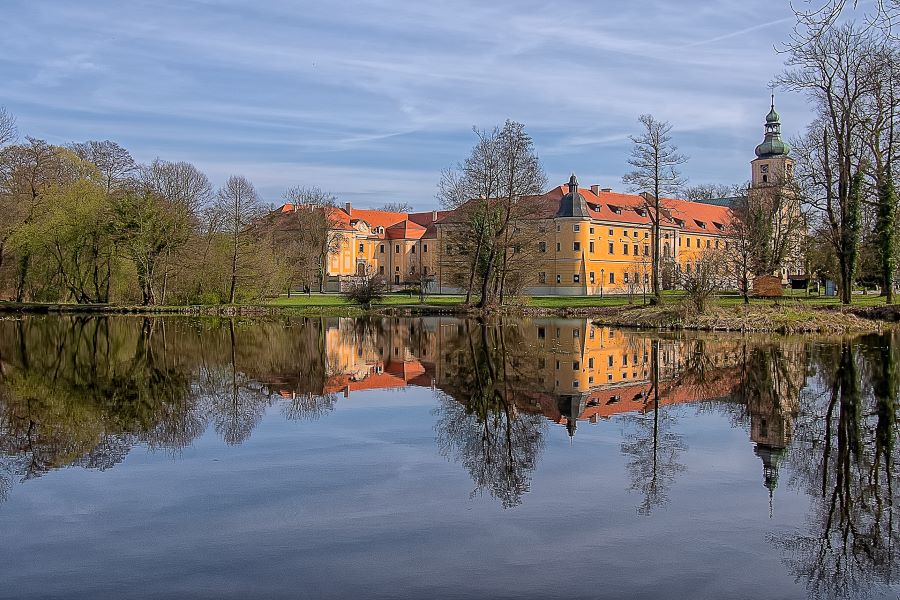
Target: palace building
579,240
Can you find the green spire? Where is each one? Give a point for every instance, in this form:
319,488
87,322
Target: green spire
773,145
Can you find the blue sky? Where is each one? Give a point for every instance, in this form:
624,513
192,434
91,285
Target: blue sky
370,100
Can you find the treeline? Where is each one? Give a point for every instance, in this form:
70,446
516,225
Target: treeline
846,160
86,223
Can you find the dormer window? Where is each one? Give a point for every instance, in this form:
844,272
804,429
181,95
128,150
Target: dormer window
679,222
641,212
719,226
615,209
700,224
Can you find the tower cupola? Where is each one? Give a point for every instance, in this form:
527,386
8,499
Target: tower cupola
773,145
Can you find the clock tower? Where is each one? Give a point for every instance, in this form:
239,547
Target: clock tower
772,166
772,173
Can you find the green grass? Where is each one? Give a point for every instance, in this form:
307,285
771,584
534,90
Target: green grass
797,297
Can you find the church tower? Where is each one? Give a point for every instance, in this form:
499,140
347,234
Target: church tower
772,173
772,165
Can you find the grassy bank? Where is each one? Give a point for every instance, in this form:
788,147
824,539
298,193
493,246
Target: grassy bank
795,314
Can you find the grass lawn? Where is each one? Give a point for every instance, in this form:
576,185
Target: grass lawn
797,297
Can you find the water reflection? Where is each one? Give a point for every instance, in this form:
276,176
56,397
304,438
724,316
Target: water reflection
84,391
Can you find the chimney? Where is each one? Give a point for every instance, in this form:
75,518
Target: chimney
349,208
434,216
595,189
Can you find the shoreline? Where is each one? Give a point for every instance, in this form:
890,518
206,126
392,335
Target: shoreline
757,318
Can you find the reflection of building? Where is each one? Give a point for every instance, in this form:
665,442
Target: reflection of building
570,370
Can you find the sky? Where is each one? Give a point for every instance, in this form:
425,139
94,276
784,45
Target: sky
370,100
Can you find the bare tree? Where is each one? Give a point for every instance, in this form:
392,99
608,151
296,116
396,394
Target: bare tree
239,206
188,192
112,160
708,191
707,275
655,160
396,207
835,70
8,130
317,231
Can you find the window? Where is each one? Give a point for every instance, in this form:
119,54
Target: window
611,249
646,278
575,365
576,333
609,361
647,234
591,247
717,243
687,268
647,250
397,249
576,278
542,333
625,278
590,363
517,249
624,360
574,384
557,246
707,243
765,179
612,277
381,248
424,247
688,242
610,232
413,249
635,248
542,277
425,270
625,249
557,229
591,231
558,279
397,269
381,270
542,246
592,281
635,234
576,246
576,227
362,248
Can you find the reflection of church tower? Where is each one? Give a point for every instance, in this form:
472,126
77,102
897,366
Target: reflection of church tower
770,430
571,406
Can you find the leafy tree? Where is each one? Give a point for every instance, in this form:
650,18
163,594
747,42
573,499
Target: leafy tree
144,227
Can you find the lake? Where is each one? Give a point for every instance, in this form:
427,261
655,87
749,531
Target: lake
443,458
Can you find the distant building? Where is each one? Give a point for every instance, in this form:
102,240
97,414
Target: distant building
581,241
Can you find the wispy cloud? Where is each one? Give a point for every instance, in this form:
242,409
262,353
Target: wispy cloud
387,91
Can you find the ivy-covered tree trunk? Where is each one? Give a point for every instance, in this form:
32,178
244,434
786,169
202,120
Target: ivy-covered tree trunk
850,237
886,229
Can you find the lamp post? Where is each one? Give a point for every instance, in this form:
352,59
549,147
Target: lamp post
602,277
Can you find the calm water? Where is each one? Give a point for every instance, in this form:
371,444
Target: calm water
440,458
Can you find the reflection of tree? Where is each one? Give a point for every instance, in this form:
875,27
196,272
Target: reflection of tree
653,448
84,391
845,457
479,424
